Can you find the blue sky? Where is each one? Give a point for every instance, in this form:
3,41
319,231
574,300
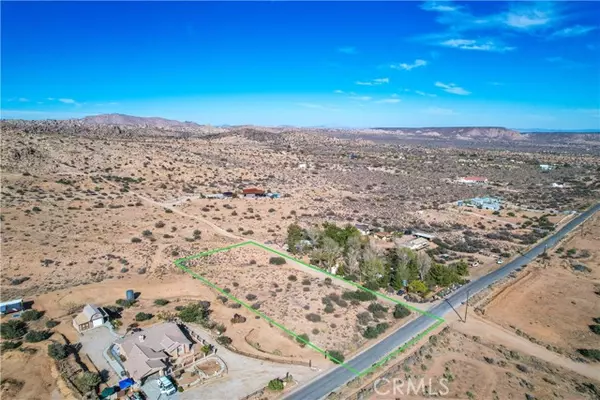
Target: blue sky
520,65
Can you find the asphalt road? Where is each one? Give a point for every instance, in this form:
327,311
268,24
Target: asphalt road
322,385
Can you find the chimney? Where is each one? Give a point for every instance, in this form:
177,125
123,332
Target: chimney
142,337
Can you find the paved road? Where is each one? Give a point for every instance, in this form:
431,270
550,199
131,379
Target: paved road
339,376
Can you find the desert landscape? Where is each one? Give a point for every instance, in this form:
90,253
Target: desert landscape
92,209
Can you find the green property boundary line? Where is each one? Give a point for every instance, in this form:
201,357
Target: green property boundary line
179,263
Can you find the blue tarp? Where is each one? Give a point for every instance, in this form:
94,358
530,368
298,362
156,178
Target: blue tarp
125,383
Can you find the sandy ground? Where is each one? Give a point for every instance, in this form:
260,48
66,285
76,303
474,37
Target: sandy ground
247,273
467,367
553,303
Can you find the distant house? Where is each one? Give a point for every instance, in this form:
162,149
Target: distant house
151,350
215,196
91,317
546,167
424,235
253,192
363,229
417,244
558,185
384,236
474,180
11,306
486,203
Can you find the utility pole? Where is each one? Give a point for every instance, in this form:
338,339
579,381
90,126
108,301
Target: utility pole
467,305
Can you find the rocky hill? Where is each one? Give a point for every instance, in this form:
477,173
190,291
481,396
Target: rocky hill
130,120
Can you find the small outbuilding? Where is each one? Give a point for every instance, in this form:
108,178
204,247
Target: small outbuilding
91,317
11,306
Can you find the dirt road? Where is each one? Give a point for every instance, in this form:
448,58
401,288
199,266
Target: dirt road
478,326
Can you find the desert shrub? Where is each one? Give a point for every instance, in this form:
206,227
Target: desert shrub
13,329
238,319
359,295
147,233
377,308
250,297
224,340
292,278
57,351
37,336
87,381
277,260
401,311
159,224
195,312
302,339
255,306
51,323
135,240
275,385
363,318
161,302
336,356
328,281
222,299
234,305
306,281
306,289
329,309
372,285
142,316
220,328
373,331
8,345
125,303
31,315
593,354
595,329
312,317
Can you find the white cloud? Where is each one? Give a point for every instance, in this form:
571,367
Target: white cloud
51,98
480,45
347,50
531,15
338,91
23,100
374,82
439,6
67,101
361,98
389,101
408,67
421,93
572,31
452,88
439,111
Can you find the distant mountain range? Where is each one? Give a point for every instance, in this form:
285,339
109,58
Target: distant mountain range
130,120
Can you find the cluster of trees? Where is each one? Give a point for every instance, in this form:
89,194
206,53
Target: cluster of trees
343,250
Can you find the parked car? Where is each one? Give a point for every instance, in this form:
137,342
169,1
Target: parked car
400,292
500,261
136,396
166,386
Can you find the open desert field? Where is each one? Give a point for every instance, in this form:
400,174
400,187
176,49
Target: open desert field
553,302
304,301
459,366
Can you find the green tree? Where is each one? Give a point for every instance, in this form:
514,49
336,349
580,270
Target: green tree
295,235
88,381
276,385
423,264
195,312
336,356
13,329
352,256
339,235
417,287
401,311
31,315
372,267
57,351
328,254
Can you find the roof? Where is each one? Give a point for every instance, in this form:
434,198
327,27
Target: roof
89,311
145,350
253,191
11,302
475,178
